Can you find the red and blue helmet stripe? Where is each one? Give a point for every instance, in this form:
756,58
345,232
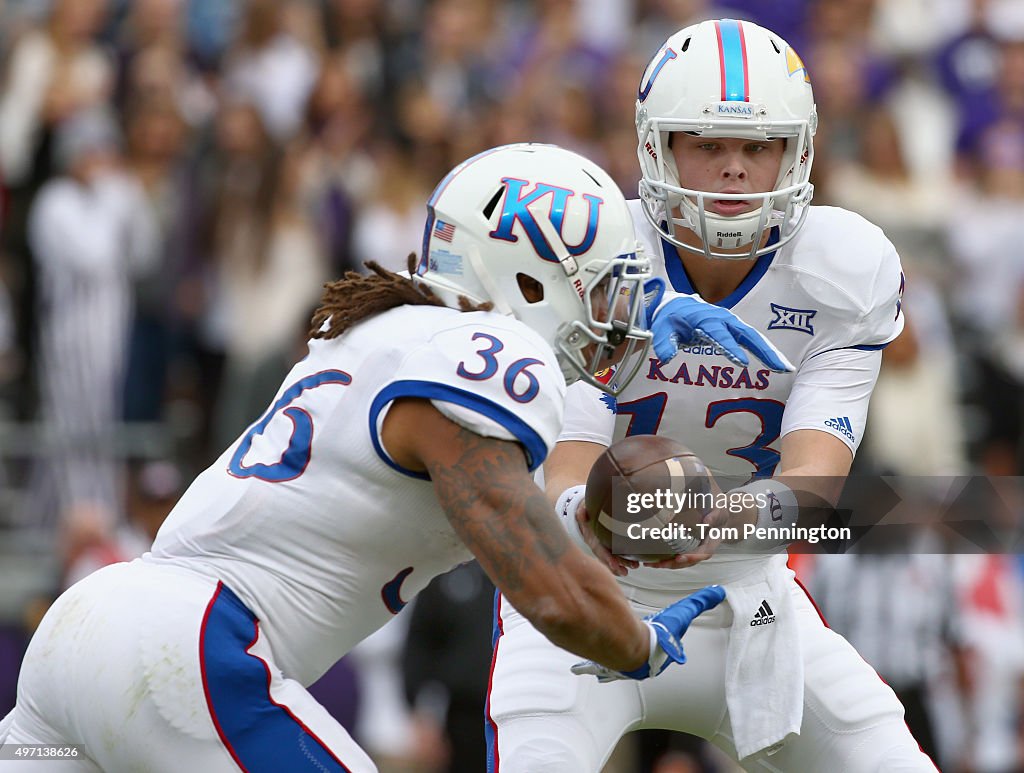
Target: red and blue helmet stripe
732,59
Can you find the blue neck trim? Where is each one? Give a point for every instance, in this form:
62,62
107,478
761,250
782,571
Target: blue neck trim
681,281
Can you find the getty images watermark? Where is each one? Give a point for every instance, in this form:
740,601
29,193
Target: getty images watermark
864,514
659,514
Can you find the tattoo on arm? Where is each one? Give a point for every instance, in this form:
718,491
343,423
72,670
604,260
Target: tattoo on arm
496,508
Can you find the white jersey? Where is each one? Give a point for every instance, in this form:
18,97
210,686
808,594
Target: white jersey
829,300
308,520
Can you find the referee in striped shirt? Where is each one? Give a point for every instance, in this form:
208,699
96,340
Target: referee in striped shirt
900,611
89,231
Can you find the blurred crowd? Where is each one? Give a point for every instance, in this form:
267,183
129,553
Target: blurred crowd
179,178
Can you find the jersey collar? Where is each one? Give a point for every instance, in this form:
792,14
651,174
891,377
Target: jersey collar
681,281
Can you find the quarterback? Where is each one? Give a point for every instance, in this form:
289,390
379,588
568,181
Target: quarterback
402,445
725,120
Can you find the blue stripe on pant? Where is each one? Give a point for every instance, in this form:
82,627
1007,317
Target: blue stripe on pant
261,735
490,728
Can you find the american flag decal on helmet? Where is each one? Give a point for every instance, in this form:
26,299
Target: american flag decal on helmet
444,231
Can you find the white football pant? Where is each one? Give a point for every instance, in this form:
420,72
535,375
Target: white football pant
155,668
543,719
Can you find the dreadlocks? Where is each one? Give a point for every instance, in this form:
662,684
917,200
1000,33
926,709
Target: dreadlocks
355,297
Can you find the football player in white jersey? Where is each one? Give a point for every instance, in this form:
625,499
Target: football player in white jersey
400,446
725,119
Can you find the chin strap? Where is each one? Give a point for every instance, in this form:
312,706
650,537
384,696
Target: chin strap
733,232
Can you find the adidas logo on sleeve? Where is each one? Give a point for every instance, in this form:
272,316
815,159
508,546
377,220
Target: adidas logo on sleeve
763,616
841,424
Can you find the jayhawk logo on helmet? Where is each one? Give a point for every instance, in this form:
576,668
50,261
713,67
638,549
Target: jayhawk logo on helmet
796,64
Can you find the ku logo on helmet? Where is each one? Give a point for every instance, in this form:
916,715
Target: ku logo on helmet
666,56
546,231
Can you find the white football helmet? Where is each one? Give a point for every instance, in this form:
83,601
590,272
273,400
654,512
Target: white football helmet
725,78
538,212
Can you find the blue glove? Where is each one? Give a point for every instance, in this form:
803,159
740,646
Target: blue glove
687,320
667,628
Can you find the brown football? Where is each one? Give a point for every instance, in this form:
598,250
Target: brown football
649,465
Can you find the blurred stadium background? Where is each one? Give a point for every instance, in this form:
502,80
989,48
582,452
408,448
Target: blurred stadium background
179,177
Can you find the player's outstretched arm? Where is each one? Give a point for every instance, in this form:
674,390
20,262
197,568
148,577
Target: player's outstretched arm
668,625
815,465
812,471
566,467
506,521
813,468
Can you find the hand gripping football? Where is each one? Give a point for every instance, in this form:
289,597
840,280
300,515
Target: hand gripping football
645,496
